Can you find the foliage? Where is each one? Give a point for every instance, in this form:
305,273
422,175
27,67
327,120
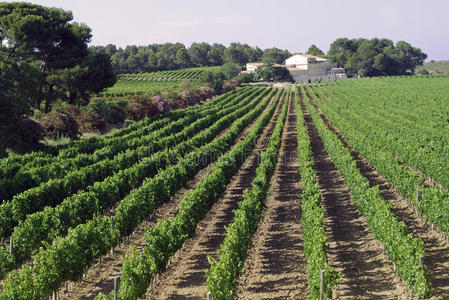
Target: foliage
433,68
315,51
60,124
129,170
169,234
275,56
48,38
312,216
173,56
246,77
18,89
272,73
408,139
232,253
72,253
375,57
230,70
403,249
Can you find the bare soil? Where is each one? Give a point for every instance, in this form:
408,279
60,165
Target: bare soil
435,243
276,267
367,273
185,277
100,276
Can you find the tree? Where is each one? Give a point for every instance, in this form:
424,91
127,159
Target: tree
214,80
315,51
198,54
182,58
216,55
47,36
236,53
375,57
275,56
230,70
19,85
269,72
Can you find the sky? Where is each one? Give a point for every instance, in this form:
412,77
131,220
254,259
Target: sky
285,24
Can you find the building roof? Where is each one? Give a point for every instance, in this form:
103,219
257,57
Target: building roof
309,56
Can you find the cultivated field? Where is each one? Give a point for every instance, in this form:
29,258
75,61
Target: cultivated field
260,193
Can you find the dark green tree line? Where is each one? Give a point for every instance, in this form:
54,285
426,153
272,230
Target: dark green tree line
171,56
375,57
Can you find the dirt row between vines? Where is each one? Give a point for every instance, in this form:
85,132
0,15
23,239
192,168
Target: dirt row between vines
367,272
435,244
276,267
100,276
185,277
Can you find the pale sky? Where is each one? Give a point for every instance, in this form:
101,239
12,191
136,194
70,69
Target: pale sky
285,24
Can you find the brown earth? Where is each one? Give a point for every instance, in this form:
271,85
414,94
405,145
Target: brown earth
185,277
276,267
367,273
100,277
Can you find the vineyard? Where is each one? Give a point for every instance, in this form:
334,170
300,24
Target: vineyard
162,81
170,75
322,191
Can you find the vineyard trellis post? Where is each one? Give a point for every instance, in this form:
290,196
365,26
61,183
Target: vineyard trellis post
322,283
115,289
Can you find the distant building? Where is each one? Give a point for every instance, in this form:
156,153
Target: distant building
308,68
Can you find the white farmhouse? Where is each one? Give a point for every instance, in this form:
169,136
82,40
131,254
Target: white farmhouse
308,68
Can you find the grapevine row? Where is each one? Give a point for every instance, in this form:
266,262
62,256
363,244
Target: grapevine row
52,222
233,251
164,239
67,258
404,250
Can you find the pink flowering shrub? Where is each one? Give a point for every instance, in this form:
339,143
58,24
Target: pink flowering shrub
161,104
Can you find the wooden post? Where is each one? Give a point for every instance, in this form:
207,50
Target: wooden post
115,289
209,296
10,245
421,264
322,285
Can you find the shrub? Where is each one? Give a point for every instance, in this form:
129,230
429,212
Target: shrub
230,85
60,124
206,92
140,106
91,121
162,104
28,133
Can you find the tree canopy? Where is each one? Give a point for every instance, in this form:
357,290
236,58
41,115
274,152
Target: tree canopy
48,39
375,57
170,56
315,51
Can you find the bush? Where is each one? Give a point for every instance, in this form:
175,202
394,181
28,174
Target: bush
112,112
60,124
206,92
246,77
230,85
140,106
28,134
162,104
91,121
